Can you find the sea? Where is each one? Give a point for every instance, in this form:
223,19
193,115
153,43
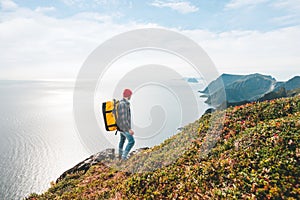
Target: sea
39,139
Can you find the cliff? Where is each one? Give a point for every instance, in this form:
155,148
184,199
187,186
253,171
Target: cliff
235,90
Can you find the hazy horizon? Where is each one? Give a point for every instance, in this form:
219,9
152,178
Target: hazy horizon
74,80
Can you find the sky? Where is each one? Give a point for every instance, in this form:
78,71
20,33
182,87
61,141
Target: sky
51,39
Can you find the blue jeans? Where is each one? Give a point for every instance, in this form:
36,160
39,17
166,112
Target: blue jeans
123,137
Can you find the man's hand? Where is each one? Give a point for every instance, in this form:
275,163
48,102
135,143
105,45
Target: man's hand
131,132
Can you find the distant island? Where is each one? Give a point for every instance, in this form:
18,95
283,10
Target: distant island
193,80
231,90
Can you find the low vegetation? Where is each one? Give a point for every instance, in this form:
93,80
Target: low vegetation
250,151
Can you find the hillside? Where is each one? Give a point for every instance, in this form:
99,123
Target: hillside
244,152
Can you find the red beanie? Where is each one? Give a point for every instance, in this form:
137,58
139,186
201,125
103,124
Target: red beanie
127,93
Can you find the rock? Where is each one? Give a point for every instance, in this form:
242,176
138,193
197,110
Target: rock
107,154
180,129
209,110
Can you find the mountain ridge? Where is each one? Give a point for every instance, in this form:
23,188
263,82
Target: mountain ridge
231,90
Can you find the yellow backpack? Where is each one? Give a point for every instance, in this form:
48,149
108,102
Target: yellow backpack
109,110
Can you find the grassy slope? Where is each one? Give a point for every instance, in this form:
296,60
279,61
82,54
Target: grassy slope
254,155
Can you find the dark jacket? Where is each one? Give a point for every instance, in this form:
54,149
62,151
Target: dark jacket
124,116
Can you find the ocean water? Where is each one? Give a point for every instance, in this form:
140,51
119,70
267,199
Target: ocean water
39,139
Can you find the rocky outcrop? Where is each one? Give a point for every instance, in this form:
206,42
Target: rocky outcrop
107,154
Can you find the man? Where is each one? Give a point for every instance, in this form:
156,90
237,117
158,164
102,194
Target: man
124,124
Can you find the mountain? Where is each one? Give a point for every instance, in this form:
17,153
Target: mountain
224,79
283,89
240,89
275,94
291,84
250,151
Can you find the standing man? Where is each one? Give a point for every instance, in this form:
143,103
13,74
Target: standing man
124,124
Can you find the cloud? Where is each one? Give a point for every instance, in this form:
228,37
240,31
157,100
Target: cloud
45,9
273,52
292,5
36,46
8,4
286,20
290,10
276,12
183,7
92,3
235,4
72,2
